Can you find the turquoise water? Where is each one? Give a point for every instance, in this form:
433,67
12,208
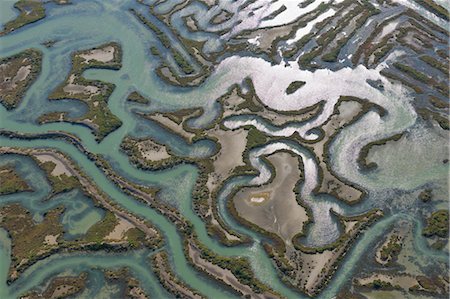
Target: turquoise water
88,24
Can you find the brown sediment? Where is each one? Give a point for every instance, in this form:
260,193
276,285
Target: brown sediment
278,212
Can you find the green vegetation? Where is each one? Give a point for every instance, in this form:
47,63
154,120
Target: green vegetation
51,117
439,244
391,76
359,14
17,74
427,283
294,86
135,237
32,241
362,158
10,181
438,103
442,53
382,51
159,33
391,250
426,195
30,11
251,101
378,284
169,279
437,9
345,239
427,114
419,76
182,62
130,146
294,49
221,17
137,98
94,93
436,64
306,3
123,277
437,225
240,267
164,39
255,138
28,237
154,50
101,229
60,183
275,13
71,284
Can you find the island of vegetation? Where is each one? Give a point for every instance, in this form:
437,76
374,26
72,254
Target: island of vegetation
94,93
17,73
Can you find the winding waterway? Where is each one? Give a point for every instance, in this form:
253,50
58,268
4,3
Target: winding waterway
87,24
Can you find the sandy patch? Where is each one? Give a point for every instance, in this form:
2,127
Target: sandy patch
274,207
222,274
405,281
172,126
257,199
59,169
318,262
232,145
51,239
22,73
119,231
72,88
103,55
152,151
